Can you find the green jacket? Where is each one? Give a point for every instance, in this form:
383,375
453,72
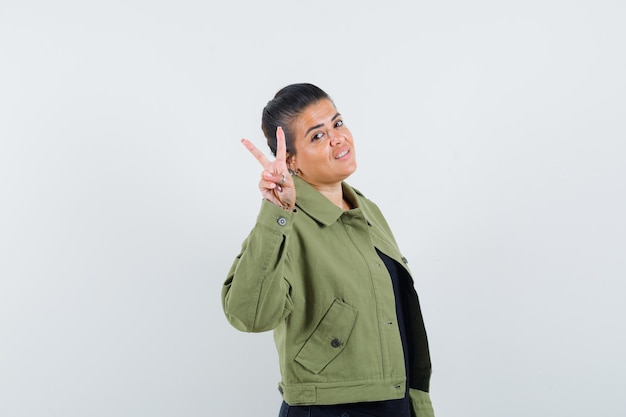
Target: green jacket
314,277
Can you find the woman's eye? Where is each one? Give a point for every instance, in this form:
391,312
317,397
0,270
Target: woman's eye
317,136
339,123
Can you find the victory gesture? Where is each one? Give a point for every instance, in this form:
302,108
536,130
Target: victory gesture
276,184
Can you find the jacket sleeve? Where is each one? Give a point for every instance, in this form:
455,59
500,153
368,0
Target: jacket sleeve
256,295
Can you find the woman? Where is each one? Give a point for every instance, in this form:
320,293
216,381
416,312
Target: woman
322,269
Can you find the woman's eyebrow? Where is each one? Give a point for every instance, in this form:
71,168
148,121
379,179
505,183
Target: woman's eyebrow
317,126
313,128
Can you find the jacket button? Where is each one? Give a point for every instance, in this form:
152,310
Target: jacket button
335,343
281,221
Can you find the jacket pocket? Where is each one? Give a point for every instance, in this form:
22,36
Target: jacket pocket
329,338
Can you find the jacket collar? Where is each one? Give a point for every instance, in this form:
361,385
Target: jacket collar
321,209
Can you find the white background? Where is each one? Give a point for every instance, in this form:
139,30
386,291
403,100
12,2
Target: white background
491,133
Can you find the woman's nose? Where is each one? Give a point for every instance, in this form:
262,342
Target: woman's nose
336,139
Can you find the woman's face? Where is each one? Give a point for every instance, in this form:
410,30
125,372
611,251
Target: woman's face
324,147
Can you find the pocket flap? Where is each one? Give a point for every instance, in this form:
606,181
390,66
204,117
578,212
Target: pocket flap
329,338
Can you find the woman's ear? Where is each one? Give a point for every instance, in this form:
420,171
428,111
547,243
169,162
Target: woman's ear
291,163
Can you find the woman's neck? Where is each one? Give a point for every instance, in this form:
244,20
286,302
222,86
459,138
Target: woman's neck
335,194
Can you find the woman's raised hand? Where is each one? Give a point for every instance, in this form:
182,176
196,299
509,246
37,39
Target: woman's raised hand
276,184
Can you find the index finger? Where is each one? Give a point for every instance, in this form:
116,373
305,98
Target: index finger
256,153
281,145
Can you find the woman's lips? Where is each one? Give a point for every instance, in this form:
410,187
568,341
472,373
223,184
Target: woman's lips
342,154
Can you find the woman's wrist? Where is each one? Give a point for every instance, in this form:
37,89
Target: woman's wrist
284,207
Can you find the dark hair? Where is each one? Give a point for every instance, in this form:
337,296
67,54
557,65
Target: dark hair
288,103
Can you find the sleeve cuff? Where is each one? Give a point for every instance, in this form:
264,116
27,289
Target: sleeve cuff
275,218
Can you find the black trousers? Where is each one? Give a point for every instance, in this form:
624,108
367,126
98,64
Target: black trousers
378,409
